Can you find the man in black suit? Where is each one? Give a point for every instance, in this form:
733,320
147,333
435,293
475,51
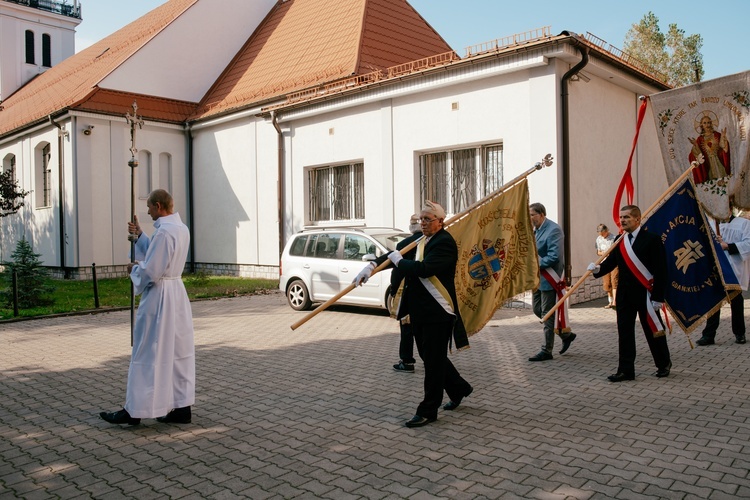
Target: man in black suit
429,301
641,263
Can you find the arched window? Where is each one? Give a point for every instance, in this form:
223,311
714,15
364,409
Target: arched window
9,165
43,180
46,51
30,56
143,174
165,171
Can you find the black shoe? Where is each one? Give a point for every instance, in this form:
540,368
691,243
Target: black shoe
542,356
119,417
705,341
566,342
664,372
177,416
619,377
739,339
452,405
417,421
404,367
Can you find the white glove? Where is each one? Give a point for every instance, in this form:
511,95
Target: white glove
395,257
364,274
657,305
593,268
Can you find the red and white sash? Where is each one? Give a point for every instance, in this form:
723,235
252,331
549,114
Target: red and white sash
558,284
644,276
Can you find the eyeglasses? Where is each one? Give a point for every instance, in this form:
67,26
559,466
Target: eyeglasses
426,221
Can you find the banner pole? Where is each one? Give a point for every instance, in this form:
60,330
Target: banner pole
644,215
546,162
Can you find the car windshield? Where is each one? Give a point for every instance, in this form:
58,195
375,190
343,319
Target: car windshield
390,240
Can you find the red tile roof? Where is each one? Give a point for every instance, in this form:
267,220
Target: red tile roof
300,44
304,43
73,82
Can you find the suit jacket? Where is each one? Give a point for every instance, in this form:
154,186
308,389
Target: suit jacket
549,246
650,250
439,260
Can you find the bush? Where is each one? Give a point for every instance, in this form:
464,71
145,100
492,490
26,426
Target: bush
33,279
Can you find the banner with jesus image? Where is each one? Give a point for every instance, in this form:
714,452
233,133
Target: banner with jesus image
708,123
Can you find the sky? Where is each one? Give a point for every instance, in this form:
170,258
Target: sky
463,23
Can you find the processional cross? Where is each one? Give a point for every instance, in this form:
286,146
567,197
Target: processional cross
135,123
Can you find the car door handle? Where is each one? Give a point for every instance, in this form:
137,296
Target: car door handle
344,270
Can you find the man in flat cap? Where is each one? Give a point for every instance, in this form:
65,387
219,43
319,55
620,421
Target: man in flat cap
429,303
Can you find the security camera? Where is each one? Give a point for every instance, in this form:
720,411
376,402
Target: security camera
87,130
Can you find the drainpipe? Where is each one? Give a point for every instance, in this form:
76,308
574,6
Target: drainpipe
280,176
190,195
61,135
566,154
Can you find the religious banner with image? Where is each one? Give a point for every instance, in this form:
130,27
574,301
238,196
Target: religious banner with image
707,123
699,275
497,256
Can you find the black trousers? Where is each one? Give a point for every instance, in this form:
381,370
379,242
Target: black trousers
626,313
737,306
406,345
439,373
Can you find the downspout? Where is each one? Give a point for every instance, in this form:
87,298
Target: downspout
280,177
566,153
191,196
61,135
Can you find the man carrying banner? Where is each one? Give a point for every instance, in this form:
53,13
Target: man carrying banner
549,245
641,261
735,241
429,300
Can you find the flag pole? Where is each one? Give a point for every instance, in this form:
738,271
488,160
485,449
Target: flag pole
644,215
546,162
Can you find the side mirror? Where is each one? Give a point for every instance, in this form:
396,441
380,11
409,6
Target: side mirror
368,257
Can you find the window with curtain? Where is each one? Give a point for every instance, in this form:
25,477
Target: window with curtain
457,178
336,193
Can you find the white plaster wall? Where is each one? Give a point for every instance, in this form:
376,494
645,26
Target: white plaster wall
226,187
102,202
602,127
203,40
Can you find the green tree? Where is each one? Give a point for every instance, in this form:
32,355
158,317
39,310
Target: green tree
676,56
11,195
32,279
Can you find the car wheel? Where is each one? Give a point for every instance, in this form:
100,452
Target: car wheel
298,296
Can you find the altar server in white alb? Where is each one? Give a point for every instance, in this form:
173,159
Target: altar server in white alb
735,240
161,378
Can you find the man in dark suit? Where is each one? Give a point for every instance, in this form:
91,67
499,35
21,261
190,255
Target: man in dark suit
429,301
641,262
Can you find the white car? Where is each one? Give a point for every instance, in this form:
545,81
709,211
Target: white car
318,263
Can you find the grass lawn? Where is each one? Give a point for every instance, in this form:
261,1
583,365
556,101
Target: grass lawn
71,296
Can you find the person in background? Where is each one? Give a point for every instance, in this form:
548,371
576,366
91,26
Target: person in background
609,281
406,345
735,240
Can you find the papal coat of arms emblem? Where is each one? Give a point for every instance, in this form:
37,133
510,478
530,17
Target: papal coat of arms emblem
486,262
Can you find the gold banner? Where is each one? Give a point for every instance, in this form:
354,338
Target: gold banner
496,255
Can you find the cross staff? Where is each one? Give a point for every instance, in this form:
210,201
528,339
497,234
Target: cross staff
134,121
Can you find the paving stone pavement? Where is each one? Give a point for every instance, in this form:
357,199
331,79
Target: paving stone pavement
318,413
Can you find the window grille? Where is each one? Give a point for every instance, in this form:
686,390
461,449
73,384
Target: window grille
460,177
46,176
336,193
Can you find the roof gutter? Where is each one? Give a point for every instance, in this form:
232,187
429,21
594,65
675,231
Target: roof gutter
566,150
280,180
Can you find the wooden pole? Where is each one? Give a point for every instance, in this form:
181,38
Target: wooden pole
644,215
546,162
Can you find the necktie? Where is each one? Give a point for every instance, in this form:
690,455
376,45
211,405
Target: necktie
630,237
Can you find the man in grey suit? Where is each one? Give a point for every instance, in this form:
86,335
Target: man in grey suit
549,245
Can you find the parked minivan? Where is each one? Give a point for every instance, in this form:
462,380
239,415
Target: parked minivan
318,263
